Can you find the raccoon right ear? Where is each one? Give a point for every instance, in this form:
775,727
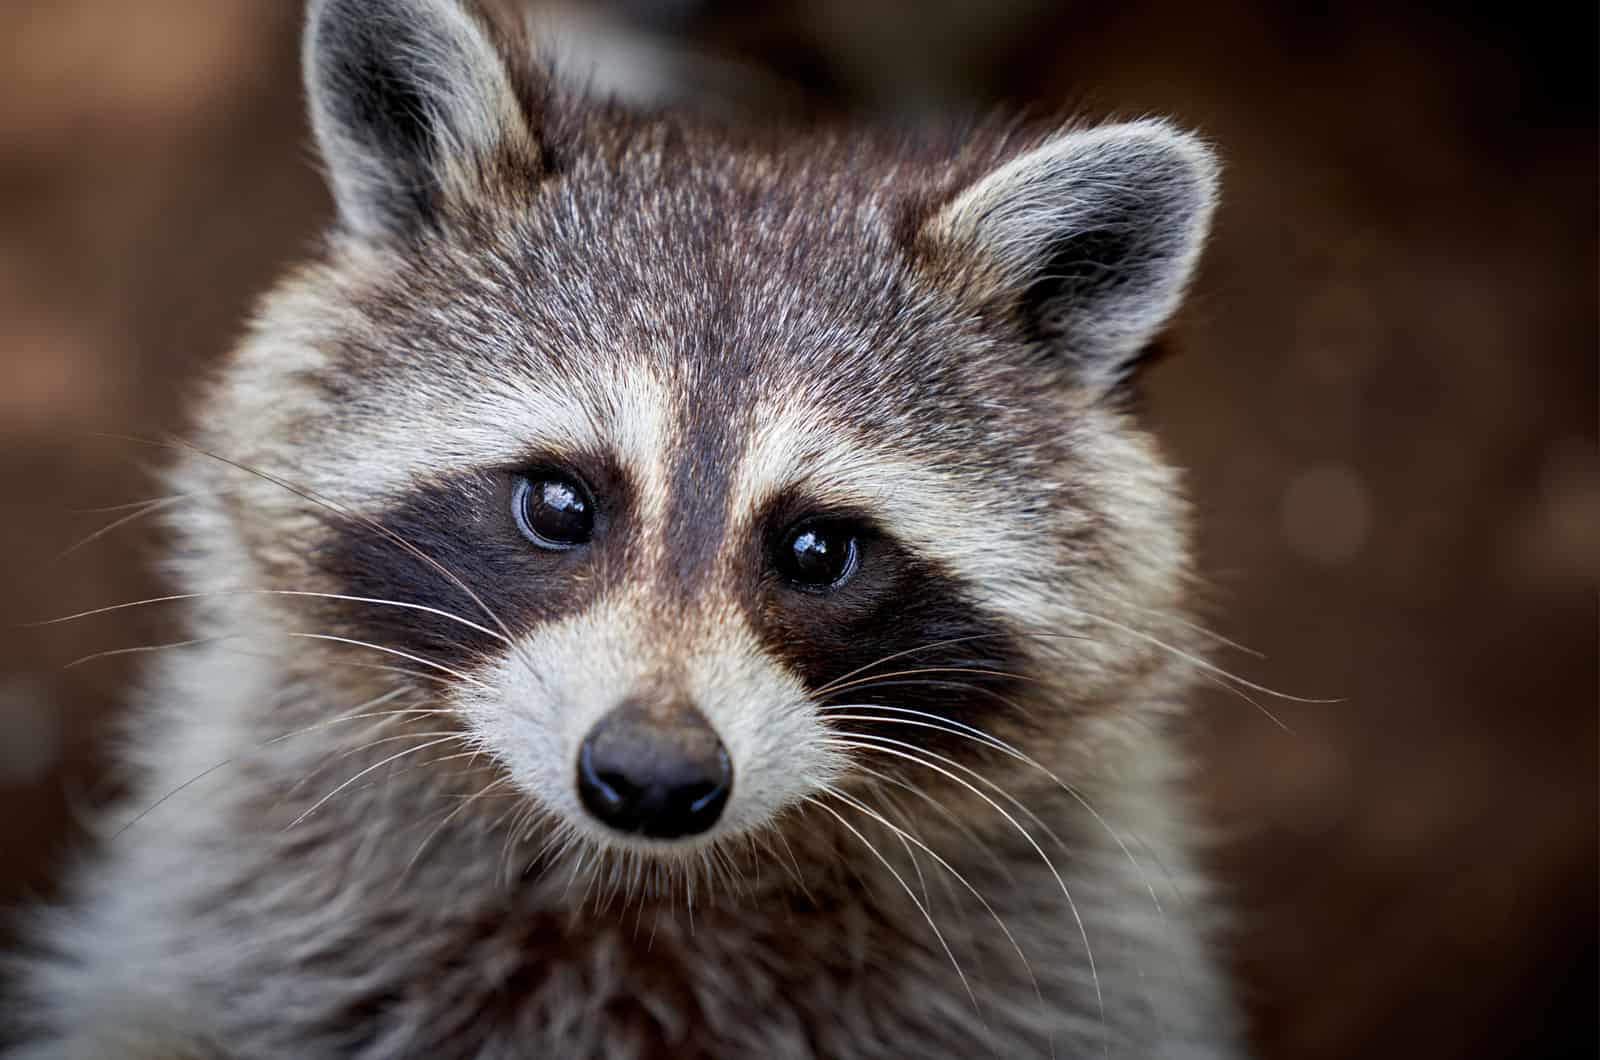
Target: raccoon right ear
410,99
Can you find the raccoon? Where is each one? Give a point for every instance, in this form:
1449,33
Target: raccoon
656,589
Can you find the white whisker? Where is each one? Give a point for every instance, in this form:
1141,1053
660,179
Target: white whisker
1072,905
1020,806
961,729
457,674
466,805
907,836
950,816
377,765
830,686
334,758
836,688
909,893
386,697
1191,658
214,593
143,649
146,509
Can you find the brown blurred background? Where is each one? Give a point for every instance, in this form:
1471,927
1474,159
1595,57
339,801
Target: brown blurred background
1385,397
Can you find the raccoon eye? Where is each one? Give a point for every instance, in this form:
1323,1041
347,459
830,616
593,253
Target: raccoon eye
818,555
553,511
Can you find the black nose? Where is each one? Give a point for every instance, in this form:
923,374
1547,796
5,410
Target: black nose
659,773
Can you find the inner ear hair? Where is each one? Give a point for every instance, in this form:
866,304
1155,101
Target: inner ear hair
1090,238
409,100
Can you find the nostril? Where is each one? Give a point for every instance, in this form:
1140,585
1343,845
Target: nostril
660,778
705,795
610,790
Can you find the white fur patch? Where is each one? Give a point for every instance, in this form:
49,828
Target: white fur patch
552,689
503,422
933,513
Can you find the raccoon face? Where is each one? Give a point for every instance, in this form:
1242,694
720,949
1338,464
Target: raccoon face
720,474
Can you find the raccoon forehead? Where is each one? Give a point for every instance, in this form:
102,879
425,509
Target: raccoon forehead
426,379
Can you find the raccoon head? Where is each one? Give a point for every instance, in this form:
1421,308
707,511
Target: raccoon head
708,473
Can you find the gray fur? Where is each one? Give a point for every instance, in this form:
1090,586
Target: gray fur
404,97
731,321
1106,223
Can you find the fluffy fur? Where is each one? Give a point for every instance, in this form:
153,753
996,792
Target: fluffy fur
953,829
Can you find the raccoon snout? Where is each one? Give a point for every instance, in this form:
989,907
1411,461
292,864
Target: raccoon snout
660,773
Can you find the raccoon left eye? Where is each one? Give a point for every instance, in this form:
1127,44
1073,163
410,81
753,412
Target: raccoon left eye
817,555
553,511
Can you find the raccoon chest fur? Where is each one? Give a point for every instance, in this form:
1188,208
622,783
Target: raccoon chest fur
368,957
654,590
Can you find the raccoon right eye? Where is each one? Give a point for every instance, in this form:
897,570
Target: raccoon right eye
553,511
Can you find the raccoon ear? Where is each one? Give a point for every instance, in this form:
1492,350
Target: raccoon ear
1091,237
408,99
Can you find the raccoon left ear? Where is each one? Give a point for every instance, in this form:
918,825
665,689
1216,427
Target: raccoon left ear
1091,237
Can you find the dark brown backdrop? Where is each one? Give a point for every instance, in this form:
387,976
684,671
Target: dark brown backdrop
1385,397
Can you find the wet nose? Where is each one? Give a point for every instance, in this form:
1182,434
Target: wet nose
662,774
